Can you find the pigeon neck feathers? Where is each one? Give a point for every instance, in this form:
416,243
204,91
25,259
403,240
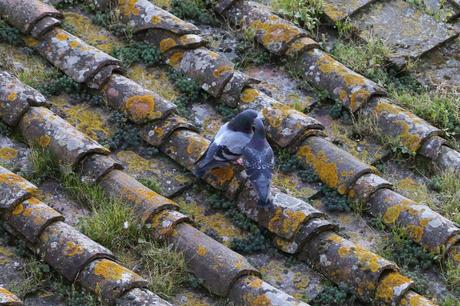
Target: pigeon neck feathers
259,132
243,121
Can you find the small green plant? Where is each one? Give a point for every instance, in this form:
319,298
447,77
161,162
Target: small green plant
447,185
304,13
10,34
453,276
136,52
126,133
345,28
44,165
405,252
194,9
165,268
337,110
335,295
249,52
57,83
226,112
36,276
288,162
334,201
190,91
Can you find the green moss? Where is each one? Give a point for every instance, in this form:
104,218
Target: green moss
151,183
190,90
57,83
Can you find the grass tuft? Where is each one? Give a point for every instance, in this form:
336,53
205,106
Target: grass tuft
304,13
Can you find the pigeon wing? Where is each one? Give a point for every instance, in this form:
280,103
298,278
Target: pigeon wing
259,168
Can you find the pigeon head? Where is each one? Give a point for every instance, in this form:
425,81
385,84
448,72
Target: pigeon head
243,121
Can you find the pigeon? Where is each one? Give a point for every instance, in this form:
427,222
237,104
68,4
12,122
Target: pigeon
228,143
259,161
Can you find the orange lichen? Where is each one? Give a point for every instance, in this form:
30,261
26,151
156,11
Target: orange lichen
73,44
368,258
175,58
44,141
249,95
326,170
197,146
31,42
8,153
73,249
12,96
201,250
61,36
386,288
18,210
223,175
221,70
142,107
167,44
273,32
260,300
343,251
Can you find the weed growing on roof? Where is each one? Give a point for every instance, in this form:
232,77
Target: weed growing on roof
333,200
196,10
304,13
10,34
126,133
405,252
447,184
439,106
44,165
226,112
249,52
58,83
452,274
36,275
190,91
334,295
135,52
4,129
165,268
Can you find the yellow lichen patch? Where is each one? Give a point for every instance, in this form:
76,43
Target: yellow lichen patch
155,20
90,33
201,250
73,249
255,283
221,70
326,170
18,210
110,270
288,183
73,44
167,44
12,96
44,141
142,107
332,12
223,175
392,214
30,41
154,79
359,95
260,300
415,232
128,7
249,95
61,36
327,64
85,118
386,288
368,258
8,153
275,32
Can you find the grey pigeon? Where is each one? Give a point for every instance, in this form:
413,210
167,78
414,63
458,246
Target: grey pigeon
258,160
228,143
